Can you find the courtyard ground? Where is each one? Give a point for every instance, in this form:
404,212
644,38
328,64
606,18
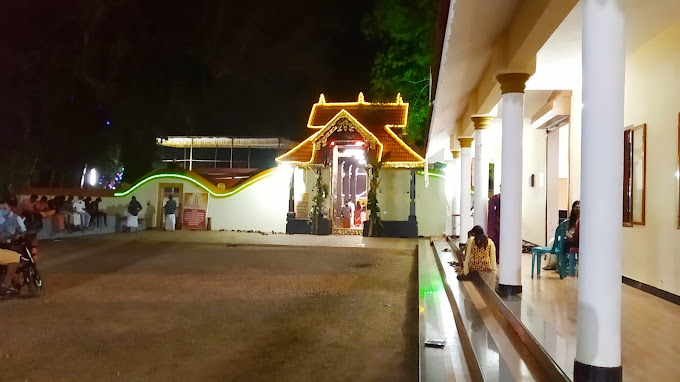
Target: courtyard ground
217,306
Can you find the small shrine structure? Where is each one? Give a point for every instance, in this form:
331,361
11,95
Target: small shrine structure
349,139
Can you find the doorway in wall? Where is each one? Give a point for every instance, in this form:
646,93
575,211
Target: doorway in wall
164,192
557,178
349,187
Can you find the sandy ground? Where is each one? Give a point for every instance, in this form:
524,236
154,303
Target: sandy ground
217,306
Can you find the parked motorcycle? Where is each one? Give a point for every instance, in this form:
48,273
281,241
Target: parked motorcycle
27,272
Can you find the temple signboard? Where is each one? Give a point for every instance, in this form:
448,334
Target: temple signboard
195,211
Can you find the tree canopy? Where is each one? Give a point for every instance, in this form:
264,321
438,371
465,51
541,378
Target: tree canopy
404,31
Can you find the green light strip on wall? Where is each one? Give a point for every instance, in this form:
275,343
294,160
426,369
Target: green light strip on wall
247,183
432,174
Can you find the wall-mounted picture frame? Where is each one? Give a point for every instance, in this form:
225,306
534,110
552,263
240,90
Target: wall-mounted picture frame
634,175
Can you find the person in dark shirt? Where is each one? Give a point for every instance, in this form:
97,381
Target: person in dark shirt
133,210
170,209
94,211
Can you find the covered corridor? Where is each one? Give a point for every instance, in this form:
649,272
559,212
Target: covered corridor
547,91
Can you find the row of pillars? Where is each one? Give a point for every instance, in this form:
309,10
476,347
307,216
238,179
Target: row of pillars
512,87
347,182
598,352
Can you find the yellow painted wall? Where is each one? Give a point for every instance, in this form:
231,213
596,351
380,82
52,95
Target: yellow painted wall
652,252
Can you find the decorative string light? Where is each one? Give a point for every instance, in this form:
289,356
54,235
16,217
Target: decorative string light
318,139
201,182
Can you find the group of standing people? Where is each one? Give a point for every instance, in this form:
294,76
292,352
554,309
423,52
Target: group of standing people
350,218
134,208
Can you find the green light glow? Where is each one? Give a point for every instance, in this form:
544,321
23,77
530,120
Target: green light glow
435,285
234,191
432,174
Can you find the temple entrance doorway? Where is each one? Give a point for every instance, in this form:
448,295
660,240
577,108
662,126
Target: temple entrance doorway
349,187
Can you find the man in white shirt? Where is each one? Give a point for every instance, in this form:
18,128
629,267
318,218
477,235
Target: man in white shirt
79,208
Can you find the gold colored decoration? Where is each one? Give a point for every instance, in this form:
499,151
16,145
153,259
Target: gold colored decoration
403,164
466,142
482,121
342,104
345,122
455,153
513,82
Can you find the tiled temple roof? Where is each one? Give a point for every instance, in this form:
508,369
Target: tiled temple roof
383,121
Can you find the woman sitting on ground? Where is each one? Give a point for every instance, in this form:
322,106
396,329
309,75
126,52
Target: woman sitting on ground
480,252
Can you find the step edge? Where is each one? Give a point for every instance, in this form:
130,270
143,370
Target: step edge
537,350
474,368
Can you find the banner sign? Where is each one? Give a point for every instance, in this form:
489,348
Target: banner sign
194,211
301,207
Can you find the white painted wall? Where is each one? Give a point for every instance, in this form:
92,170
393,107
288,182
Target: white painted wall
533,198
394,194
261,206
430,205
575,144
552,189
651,252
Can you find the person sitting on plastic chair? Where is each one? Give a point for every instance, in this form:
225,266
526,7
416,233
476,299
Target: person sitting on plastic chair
574,216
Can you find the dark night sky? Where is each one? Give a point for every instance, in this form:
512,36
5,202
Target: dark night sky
258,66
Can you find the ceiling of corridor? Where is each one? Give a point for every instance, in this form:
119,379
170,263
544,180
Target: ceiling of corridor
558,64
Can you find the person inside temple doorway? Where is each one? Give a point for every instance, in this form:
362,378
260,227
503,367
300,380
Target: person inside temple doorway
170,209
346,214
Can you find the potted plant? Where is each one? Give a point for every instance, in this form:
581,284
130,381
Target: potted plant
375,224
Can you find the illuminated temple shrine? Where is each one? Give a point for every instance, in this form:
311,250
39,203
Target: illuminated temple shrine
348,140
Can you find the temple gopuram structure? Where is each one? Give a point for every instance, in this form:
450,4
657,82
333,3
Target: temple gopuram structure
349,139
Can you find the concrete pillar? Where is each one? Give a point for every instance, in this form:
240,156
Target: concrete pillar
191,155
291,195
345,181
598,349
412,193
448,193
338,184
455,200
353,182
465,188
510,273
481,172
497,168
231,154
